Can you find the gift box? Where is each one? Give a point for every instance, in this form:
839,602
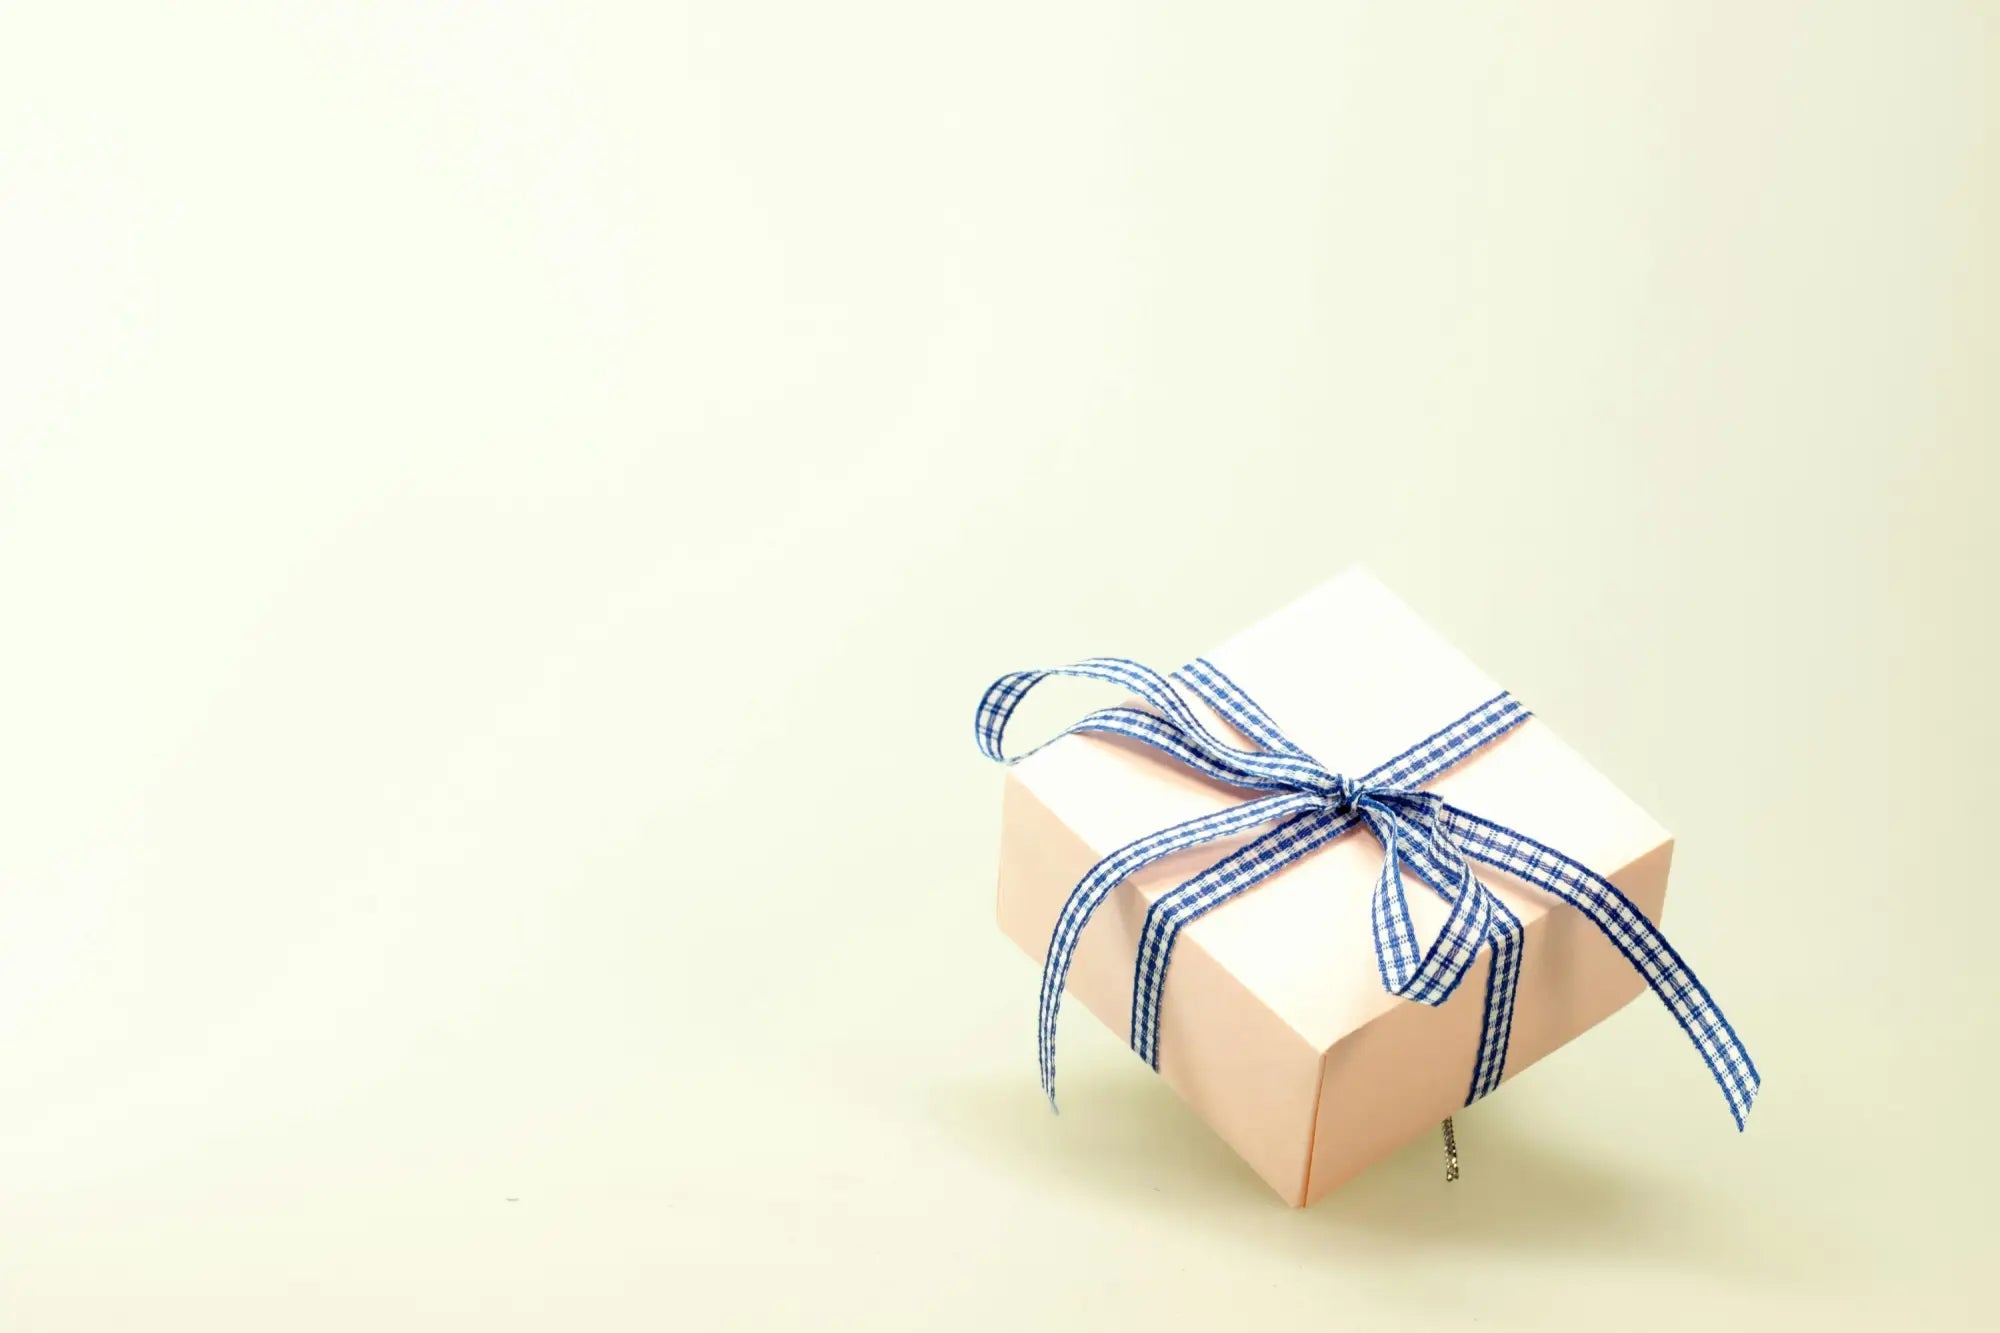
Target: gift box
1282,1011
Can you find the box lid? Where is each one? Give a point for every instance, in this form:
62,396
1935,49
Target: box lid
1353,676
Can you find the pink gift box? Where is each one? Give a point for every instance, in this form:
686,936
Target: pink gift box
1275,1026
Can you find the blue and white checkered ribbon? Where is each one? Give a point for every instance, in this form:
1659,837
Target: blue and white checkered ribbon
1309,806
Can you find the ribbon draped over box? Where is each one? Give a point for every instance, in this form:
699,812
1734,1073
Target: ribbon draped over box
1309,806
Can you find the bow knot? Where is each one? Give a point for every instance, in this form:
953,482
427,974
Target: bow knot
1374,801
1340,795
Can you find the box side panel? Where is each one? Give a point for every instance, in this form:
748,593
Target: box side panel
1394,1078
1239,1065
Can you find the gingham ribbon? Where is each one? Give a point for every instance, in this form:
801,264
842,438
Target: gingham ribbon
1306,806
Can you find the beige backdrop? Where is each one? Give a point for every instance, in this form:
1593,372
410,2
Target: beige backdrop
506,513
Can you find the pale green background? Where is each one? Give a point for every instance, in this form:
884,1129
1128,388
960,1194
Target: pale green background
506,513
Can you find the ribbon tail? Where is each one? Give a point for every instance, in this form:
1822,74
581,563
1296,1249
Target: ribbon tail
1632,933
1235,873
1096,885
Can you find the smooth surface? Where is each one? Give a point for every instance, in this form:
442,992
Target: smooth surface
505,513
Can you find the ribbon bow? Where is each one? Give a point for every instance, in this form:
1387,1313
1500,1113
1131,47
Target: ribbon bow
1308,806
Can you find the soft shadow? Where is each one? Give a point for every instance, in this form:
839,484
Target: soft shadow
1130,1141
1127,1139
1525,1190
